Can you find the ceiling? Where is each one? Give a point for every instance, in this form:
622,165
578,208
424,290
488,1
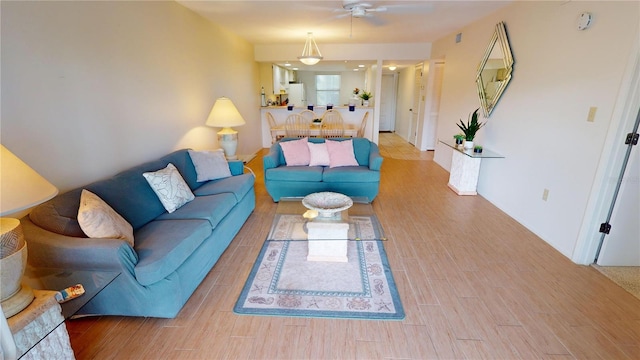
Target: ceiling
287,22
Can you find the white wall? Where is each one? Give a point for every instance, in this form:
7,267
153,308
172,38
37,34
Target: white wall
349,80
91,88
540,124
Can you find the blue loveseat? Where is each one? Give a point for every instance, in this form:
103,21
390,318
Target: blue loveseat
172,253
295,181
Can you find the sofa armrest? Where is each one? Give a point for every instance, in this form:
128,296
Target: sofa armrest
271,160
236,167
50,250
375,159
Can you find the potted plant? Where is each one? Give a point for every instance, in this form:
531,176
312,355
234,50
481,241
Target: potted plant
459,138
477,149
365,96
470,129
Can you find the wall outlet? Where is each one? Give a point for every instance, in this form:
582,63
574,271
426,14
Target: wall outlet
592,114
545,194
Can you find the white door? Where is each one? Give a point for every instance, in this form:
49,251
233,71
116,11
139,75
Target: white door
621,247
388,103
415,110
432,106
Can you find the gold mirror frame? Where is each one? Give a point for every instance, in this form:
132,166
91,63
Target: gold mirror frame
494,71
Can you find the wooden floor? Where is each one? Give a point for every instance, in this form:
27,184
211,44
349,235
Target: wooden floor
474,283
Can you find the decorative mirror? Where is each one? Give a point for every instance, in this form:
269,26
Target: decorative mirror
494,71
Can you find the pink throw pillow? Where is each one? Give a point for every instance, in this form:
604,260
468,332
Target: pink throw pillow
319,156
341,153
296,152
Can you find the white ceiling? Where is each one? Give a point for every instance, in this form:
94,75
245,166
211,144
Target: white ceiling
282,22
288,21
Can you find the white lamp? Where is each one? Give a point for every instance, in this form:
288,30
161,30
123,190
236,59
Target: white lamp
21,188
310,54
225,115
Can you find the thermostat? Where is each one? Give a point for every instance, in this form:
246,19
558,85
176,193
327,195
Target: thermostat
584,20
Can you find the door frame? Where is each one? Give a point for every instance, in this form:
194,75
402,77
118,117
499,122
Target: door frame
622,121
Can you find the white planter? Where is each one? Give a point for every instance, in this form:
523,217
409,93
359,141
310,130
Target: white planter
468,144
365,102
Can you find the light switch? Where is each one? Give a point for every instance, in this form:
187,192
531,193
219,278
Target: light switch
592,114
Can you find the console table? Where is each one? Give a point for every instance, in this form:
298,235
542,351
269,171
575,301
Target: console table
39,331
465,168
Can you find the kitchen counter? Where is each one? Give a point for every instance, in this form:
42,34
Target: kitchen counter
280,114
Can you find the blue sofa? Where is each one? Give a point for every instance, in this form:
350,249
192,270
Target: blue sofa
173,252
295,181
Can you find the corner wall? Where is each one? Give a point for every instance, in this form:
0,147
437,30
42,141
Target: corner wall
92,88
539,124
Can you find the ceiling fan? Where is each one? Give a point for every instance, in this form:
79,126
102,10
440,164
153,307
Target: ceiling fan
359,10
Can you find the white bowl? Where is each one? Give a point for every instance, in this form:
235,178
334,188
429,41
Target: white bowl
327,203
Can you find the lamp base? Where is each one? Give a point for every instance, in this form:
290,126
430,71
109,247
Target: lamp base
228,141
18,301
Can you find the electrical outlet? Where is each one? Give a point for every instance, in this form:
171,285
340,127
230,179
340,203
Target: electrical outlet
592,114
545,194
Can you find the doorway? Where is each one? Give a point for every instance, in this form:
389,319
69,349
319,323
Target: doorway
389,86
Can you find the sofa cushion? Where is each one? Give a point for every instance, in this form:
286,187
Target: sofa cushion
318,154
350,174
210,165
130,195
341,153
170,187
238,185
212,208
295,152
60,214
295,173
163,245
98,220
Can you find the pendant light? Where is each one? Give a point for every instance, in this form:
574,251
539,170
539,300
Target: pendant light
310,54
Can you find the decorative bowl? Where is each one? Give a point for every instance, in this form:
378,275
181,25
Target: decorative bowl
327,203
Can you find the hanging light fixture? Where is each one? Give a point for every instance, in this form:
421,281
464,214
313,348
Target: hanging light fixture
310,54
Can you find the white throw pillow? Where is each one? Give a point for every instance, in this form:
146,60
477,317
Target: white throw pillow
210,165
170,187
98,220
319,156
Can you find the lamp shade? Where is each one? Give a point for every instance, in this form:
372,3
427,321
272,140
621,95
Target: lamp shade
224,114
310,54
21,186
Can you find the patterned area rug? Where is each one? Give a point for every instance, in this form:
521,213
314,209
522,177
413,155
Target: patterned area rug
283,283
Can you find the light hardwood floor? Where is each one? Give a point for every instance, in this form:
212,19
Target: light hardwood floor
475,284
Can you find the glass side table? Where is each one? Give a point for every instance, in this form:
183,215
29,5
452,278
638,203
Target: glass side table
465,168
37,329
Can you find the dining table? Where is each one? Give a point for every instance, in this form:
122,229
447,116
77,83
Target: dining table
350,130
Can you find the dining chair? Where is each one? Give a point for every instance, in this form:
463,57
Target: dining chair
363,125
309,115
272,127
332,124
297,125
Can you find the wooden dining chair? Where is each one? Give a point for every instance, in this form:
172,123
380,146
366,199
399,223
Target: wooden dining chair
332,124
309,115
297,125
272,127
363,125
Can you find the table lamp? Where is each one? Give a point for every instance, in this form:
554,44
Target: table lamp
21,188
225,115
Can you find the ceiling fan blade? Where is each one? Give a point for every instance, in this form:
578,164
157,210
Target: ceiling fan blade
417,7
374,20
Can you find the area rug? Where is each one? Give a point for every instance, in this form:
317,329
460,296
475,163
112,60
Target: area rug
283,283
627,277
